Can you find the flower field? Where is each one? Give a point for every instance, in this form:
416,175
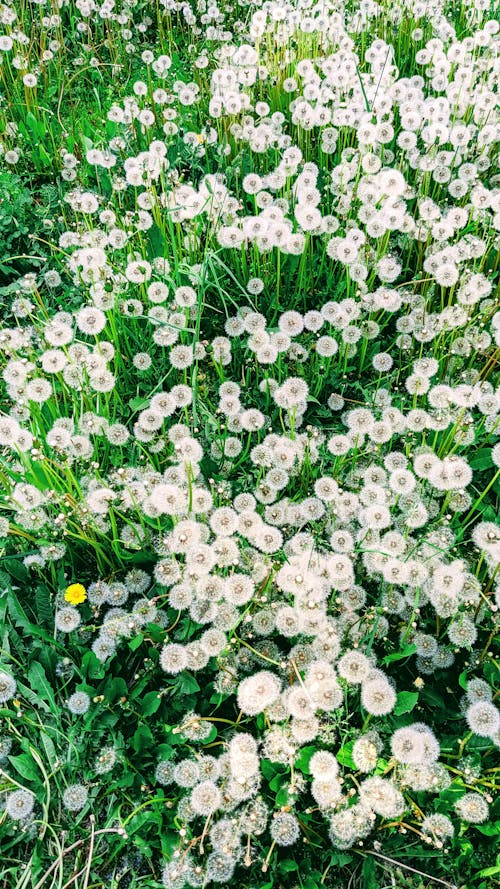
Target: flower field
249,444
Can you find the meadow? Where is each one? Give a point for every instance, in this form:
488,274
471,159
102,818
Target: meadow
249,444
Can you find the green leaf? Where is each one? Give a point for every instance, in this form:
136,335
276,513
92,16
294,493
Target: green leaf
279,781
344,755
481,459
49,748
313,879
44,610
25,766
405,652
36,126
156,240
143,739
164,751
21,619
32,698
16,569
406,701
92,668
5,582
40,684
136,642
304,758
138,403
489,871
150,703
270,769
288,865
44,156
187,684
433,698
339,859
490,829
451,794
368,871
211,735
282,797
114,688
462,680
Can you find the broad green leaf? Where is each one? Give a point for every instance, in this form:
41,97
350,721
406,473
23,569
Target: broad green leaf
187,684
136,642
143,739
489,871
407,651
41,685
44,610
150,703
405,703
304,758
288,865
369,873
25,766
490,829
344,755
481,459
32,697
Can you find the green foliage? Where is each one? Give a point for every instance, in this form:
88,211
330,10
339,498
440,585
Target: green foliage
15,216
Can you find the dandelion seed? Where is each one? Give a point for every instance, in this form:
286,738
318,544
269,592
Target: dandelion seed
8,687
19,804
75,797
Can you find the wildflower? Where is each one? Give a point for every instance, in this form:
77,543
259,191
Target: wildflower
383,797
19,804
365,752
91,320
354,666
75,797
472,807
67,620
78,703
437,826
462,632
75,594
164,772
407,745
173,658
220,867
323,765
478,690
105,761
5,747
186,773
377,696
7,687
257,692
285,829
483,718
206,798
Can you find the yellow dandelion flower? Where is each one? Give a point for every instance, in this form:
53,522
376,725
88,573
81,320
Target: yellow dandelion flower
75,594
